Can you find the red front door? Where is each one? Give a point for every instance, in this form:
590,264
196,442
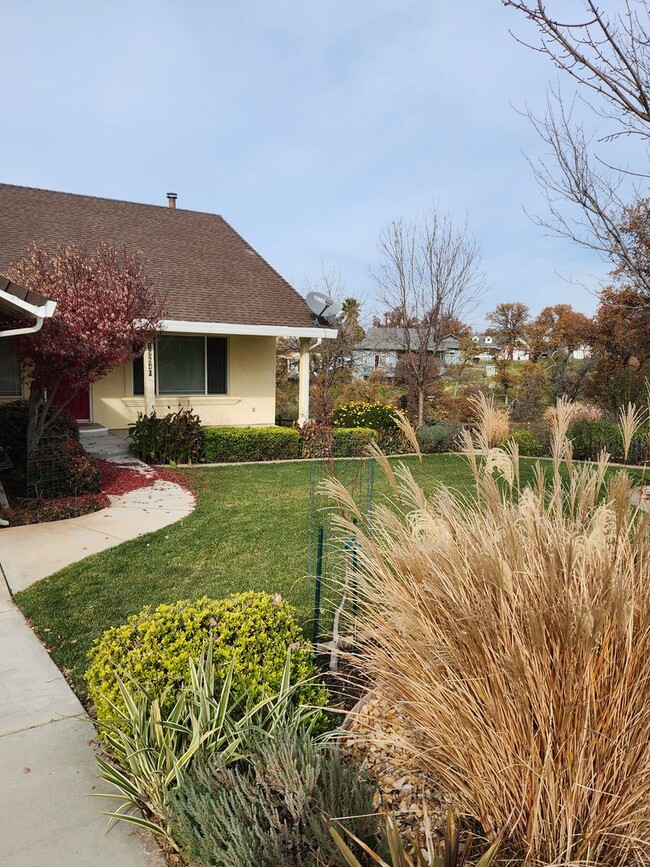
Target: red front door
79,406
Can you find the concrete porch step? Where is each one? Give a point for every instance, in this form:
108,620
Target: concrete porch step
87,431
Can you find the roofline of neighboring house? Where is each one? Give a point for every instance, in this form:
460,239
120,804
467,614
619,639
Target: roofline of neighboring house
184,326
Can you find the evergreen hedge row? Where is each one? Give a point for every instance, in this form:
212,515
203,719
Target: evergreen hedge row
237,444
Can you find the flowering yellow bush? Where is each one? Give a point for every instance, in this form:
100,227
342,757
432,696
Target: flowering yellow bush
377,416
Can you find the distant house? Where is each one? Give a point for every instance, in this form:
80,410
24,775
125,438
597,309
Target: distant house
226,306
489,348
381,348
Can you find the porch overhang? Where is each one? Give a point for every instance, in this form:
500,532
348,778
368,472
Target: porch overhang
183,326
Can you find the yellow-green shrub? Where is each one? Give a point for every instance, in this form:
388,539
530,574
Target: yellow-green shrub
153,649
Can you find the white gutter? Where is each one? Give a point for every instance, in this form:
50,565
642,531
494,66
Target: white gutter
40,312
183,326
32,329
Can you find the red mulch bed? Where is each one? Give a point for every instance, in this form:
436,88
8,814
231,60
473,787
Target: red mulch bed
35,510
117,479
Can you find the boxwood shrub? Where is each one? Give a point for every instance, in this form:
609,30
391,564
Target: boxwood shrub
529,445
153,648
350,442
236,444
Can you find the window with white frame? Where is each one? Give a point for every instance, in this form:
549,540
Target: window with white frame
187,365
10,381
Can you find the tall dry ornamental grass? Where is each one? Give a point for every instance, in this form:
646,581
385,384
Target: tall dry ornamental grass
514,632
630,420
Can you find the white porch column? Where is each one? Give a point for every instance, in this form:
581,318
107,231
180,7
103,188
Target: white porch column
303,381
149,378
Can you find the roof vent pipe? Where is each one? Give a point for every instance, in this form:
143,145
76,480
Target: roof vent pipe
171,199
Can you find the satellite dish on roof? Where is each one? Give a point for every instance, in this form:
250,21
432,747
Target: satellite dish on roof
322,306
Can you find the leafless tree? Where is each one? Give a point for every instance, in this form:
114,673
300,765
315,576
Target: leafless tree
429,277
608,58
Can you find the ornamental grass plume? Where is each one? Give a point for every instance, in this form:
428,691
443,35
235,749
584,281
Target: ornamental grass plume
630,420
494,424
512,629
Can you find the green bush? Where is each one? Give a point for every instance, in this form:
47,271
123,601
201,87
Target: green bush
377,415
529,445
393,442
589,438
13,429
351,442
177,438
153,648
268,810
236,444
434,438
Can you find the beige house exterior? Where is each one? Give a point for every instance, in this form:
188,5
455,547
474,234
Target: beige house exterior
216,351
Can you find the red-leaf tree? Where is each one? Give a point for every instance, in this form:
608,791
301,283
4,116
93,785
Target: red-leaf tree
107,308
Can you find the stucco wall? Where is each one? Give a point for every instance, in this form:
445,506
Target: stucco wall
250,399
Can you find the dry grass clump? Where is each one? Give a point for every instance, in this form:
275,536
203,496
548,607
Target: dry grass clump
494,424
582,411
514,634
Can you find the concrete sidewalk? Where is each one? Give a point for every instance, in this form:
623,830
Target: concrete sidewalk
47,741
47,766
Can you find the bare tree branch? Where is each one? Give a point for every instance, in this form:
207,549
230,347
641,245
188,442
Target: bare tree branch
608,56
429,276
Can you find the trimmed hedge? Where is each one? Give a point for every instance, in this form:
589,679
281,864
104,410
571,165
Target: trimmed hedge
350,442
237,444
529,445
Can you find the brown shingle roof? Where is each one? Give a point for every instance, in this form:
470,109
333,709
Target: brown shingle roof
207,271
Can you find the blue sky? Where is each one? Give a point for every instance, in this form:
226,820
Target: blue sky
307,125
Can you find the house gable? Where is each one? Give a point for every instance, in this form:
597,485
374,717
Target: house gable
200,264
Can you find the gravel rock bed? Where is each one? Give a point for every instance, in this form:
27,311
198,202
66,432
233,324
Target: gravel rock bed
372,739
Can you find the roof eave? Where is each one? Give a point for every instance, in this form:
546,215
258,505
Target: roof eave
183,326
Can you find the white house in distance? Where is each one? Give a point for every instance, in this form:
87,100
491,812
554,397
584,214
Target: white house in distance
488,349
226,306
381,348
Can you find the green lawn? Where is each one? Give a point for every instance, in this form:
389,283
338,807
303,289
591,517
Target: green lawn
250,531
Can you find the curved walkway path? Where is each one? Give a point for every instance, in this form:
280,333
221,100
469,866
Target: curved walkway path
47,745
